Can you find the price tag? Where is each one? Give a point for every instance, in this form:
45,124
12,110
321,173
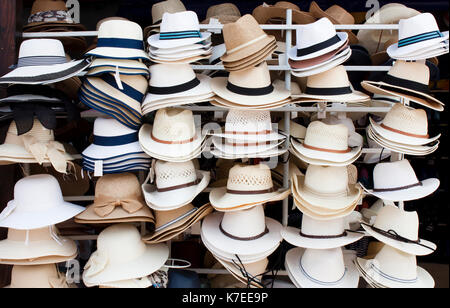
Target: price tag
98,169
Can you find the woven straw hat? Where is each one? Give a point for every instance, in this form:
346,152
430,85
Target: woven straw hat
46,13
36,276
169,6
225,13
408,80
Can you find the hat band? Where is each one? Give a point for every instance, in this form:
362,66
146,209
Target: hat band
419,38
237,238
51,16
174,89
328,91
170,223
397,188
333,195
248,43
116,140
40,61
325,283
348,150
250,144
127,89
179,35
264,132
178,186
344,234
249,91
402,132
172,142
251,192
318,47
408,84
120,43
392,278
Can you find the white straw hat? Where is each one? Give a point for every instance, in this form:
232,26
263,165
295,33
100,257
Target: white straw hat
369,214
174,185
399,229
373,158
123,66
354,139
121,255
397,181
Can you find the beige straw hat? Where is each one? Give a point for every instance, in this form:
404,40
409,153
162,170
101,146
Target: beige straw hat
225,13
37,276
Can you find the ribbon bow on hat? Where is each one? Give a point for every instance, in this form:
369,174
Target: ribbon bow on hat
104,208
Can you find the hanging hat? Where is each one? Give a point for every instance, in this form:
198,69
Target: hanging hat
399,229
321,268
392,268
118,198
37,276
247,186
43,61
397,181
35,247
246,234
51,13
408,80
174,185
225,13
369,214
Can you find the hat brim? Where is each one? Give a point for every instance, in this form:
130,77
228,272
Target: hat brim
98,152
343,38
181,61
355,96
118,53
236,272
272,136
121,169
222,146
394,51
179,101
111,161
326,156
313,161
339,59
155,42
118,215
40,260
318,61
19,251
248,51
177,50
260,55
220,102
427,53
181,55
266,154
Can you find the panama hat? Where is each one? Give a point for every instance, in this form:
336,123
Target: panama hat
397,181
37,203
399,229
121,255
123,66
408,80
238,148
38,246
392,268
36,276
43,61
321,268
250,274
158,10
179,50
247,186
118,198
170,224
354,139
340,58
174,185
243,233
251,61
369,214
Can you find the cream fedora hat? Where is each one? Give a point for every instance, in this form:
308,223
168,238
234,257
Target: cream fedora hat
44,276
369,214
249,87
354,139
408,80
321,268
174,185
312,161
43,61
399,229
121,255
178,29
38,202
119,39
416,34
247,186
392,268
397,181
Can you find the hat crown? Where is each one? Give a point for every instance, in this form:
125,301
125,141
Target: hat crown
243,31
245,223
249,178
38,131
223,9
394,175
48,5
396,263
334,78
180,21
251,121
315,33
121,29
35,235
169,174
170,6
174,124
120,243
118,186
287,5
326,180
253,77
413,71
168,75
324,136
408,120
311,226
325,265
341,15
333,120
41,48
33,276
405,224
419,24
108,127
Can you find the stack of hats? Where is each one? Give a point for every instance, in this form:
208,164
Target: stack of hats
248,134
33,239
404,130
223,13
123,260
179,40
158,10
239,235
115,149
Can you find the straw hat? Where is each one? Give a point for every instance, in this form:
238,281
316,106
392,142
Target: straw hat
174,185
36,276
399,229
225,13
118,198
392,268
408,80
373,158
101,66
169,6
38,246
369,214
321,268
397,181
121,255
247,186
354,139
170,224
249,274
50,13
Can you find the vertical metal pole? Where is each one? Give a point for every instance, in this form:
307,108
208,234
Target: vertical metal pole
400,156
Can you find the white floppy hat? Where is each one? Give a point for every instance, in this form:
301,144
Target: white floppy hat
399,229
174,185
178,29
397,181
121,255
321,268
43,61
38,202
